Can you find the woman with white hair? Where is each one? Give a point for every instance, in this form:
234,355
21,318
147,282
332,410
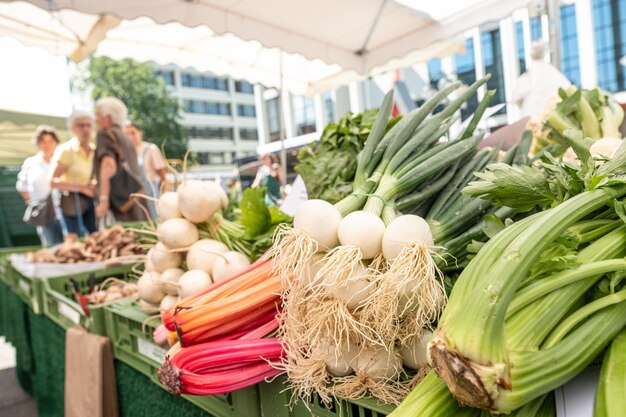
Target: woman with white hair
114,152
72,170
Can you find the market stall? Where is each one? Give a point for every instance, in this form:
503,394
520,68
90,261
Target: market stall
358,305
424,275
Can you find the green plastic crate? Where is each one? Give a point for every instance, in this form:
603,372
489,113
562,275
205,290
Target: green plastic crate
6,272
61,307
275,399
131,337
28,289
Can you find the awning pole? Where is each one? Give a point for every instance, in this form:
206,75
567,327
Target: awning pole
281,131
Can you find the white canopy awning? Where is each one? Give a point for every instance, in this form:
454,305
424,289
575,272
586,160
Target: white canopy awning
323,43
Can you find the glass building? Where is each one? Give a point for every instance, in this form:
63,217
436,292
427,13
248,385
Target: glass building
465,66
609,19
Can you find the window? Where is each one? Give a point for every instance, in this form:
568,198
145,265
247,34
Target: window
492,61
519,44
304,115
244,87
246,110
273,118
207,107
167,76
569,44
434,72
329,107
609,18
199,81
248,134
195,132
466,72
535,28
212,158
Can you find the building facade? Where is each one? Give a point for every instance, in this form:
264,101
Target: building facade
219,116
591,43
228,119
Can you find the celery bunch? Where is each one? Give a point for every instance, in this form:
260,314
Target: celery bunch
541,299
593,112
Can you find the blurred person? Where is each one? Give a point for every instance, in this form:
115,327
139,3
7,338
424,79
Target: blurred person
33,184
270,175
72,174
151,165
115,152
538,87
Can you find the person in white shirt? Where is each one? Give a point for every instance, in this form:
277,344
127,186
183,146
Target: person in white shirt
33,181
151,164
539,86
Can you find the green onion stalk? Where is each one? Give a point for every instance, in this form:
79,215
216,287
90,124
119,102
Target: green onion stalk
400,174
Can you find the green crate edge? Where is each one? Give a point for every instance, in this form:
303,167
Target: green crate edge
32,294
242,403
275,399
7,273
52,298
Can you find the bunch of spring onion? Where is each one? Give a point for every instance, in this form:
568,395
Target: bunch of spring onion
222,366
454,229
334,260
529,286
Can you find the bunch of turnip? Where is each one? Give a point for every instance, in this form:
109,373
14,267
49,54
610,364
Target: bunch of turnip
185,260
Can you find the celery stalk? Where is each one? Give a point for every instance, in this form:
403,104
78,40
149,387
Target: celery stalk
610,128
588,120
474,335
537,373
611,395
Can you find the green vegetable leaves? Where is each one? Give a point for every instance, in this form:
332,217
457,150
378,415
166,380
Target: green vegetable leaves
328,167
519,187
256,218
549,182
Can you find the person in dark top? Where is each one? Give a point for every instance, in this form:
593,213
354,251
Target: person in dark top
111,113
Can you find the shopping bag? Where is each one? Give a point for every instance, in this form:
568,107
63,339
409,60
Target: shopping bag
90,388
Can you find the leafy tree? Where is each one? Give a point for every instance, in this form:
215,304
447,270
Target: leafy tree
149,102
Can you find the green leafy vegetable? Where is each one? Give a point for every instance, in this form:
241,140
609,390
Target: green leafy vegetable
255,216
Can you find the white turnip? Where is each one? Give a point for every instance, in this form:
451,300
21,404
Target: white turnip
198,200
148,288
167,206
192,282
203,253
169,280
162,258
229,263
167,302
177,233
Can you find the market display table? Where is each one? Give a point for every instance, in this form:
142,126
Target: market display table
40,348
39,339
